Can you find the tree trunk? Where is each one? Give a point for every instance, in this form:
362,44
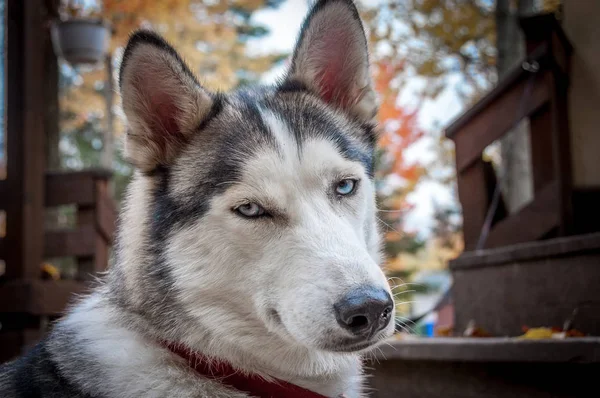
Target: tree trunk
108,147
51,118
517,182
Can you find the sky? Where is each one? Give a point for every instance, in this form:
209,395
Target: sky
284,24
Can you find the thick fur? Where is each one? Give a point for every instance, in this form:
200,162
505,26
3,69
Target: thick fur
258,292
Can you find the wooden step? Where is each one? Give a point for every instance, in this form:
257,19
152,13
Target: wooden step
538,284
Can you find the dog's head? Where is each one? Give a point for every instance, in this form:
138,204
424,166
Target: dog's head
255,210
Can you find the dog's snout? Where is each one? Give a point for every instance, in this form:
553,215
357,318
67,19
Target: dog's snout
364,311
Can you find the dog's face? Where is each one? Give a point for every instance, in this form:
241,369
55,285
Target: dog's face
261,203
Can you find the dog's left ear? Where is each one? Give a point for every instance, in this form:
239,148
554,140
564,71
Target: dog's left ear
332,59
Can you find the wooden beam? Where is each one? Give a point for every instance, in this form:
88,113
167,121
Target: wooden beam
513,76
79,242
531,223
26,160
38,297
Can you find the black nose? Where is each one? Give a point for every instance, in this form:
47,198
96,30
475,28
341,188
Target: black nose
364,311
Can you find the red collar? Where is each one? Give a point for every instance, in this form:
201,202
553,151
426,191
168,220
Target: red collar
254,385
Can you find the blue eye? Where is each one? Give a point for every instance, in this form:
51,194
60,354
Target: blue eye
250,210
345,186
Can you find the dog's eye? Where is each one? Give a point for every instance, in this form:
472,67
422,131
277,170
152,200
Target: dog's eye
345,186
250,210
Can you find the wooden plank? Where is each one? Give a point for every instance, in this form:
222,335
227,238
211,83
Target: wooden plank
10,345
15,342
542,161
514,76
79,242
531,223
492,122
53,297
63,188
473,196
38,297
528,252
561,143
106,214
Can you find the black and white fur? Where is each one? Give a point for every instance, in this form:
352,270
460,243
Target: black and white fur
257,292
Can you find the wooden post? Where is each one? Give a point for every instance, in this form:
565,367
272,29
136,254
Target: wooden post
26,150
544,30
473,195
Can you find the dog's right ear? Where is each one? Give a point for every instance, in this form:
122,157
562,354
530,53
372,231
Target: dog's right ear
163,101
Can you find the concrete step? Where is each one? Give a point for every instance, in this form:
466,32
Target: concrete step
485,367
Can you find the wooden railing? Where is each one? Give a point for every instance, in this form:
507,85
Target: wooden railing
27,303
536,89
90,240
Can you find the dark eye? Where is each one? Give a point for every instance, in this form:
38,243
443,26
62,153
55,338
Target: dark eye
250,210
345,186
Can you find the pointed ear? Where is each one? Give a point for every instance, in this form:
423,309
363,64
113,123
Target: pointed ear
331,58
163,101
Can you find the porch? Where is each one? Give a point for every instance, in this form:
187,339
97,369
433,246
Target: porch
534,267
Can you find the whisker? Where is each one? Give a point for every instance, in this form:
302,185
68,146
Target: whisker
407,302
403,324
404,292
387,225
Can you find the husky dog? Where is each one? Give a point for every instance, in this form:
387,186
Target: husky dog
248,239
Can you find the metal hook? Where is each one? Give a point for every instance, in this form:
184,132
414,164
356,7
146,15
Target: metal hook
532,66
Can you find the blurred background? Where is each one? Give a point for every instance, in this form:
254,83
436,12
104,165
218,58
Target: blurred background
488,147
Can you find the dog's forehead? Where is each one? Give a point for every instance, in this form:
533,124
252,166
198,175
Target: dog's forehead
264,133
296,164
291,124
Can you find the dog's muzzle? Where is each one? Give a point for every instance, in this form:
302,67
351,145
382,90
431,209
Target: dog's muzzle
365,311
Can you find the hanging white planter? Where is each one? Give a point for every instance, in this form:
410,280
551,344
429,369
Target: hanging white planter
81,41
